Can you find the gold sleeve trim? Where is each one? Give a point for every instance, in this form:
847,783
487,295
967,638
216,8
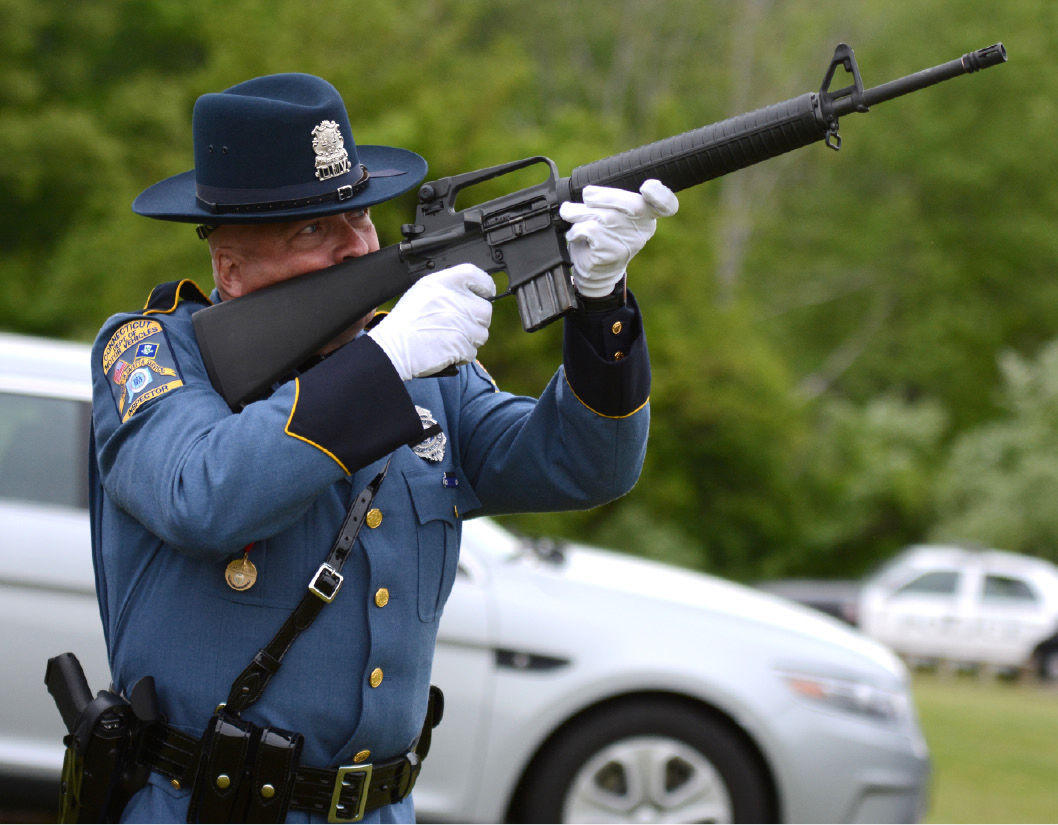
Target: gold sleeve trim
596,412
320,447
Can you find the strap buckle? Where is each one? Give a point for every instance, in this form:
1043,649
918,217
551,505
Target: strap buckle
326,583
337,811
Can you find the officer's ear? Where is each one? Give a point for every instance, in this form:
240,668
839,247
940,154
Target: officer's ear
227,270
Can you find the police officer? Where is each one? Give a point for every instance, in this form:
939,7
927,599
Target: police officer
207,524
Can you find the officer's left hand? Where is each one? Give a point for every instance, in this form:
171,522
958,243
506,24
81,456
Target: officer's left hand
609,227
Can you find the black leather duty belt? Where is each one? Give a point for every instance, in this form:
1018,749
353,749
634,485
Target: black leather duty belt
342,794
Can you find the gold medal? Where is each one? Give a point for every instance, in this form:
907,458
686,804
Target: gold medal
240,574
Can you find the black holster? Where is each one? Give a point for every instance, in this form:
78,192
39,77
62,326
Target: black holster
245,772
101,770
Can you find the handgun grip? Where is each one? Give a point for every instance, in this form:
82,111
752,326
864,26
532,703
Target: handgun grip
66,682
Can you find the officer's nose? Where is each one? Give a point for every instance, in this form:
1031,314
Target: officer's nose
355,240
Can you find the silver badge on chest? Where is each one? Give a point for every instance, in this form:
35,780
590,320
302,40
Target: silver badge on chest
433,447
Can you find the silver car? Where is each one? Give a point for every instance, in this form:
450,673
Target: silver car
581,685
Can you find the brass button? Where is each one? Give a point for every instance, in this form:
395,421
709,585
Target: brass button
175,783
268,791
381,597
617,327
361,756
223,781
617,356
374,518
376,677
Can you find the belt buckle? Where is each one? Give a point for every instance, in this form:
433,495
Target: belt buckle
340,783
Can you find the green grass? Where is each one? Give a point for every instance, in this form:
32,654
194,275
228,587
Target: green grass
994,745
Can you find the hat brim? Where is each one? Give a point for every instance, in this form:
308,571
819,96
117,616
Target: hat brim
393,172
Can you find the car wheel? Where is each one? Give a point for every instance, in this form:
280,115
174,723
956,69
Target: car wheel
646,761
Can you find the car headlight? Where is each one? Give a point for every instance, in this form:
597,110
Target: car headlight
850,695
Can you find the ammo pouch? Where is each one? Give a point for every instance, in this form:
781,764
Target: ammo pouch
245,773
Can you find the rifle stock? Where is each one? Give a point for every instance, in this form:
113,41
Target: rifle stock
252,342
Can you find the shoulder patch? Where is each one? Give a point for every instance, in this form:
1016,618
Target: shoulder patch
139,365
164,298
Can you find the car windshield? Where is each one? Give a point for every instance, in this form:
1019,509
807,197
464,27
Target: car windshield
936,582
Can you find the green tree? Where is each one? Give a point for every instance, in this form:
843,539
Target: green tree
83,89
999,484
872,471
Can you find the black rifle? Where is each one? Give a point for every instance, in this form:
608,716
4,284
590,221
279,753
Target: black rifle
250,343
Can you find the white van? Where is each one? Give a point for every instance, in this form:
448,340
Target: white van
986,607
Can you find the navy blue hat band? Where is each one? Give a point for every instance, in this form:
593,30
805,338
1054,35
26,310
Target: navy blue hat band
221,200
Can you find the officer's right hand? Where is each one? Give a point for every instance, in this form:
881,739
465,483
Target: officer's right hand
441,321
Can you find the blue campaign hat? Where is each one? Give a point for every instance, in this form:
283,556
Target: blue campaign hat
278,148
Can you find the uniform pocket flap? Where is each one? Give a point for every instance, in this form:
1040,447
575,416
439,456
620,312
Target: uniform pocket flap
437,495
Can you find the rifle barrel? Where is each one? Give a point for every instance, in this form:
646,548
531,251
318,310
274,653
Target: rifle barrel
971,62
717,149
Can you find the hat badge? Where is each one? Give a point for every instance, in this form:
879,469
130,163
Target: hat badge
331,158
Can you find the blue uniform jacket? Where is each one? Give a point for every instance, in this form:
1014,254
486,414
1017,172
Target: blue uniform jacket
182,485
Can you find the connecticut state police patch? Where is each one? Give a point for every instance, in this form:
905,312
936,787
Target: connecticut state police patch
140,365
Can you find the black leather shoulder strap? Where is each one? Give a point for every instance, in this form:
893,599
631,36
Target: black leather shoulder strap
321,591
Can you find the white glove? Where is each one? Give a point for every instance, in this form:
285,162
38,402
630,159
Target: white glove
439,322
609,227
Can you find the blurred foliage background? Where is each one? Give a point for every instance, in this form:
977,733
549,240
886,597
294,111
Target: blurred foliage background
852,351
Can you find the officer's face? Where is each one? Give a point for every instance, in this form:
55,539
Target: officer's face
248,257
